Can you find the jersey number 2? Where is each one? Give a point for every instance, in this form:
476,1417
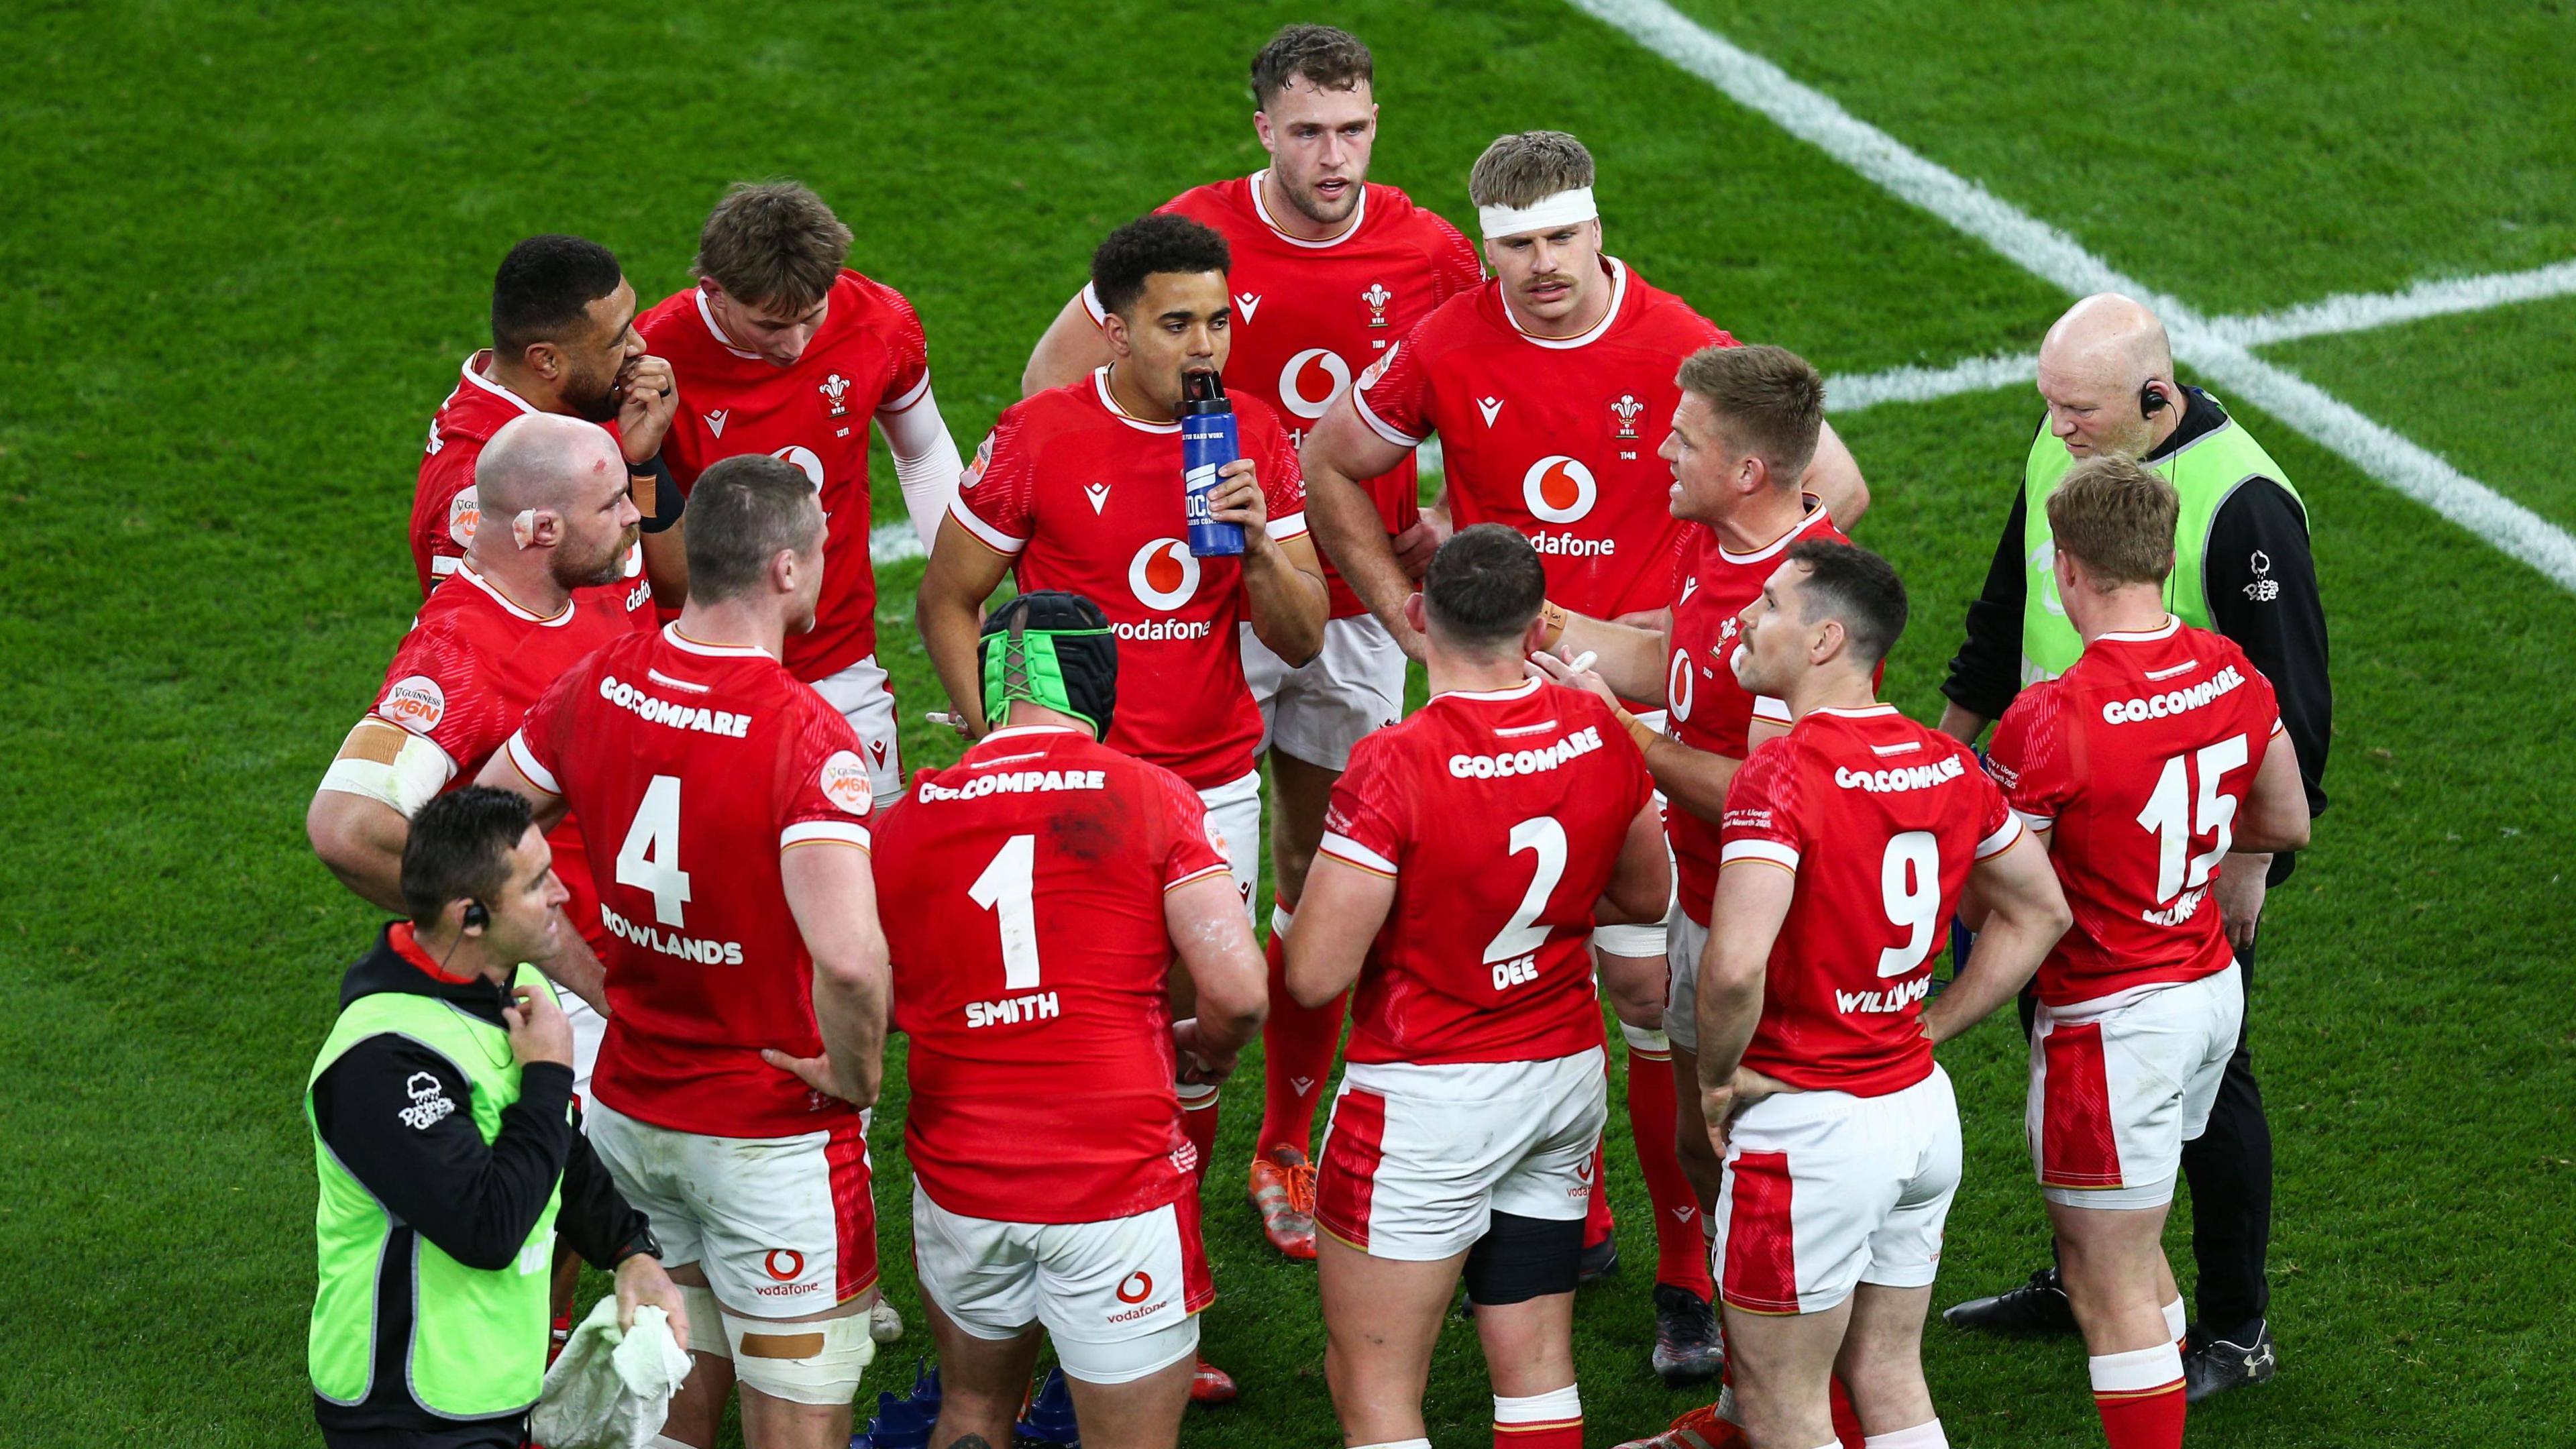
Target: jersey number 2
2171,817
650,858
1008,888
1541,835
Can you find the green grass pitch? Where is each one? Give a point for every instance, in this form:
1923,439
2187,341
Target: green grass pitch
245,247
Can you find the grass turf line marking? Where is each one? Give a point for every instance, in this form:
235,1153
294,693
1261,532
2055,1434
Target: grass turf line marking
2055,257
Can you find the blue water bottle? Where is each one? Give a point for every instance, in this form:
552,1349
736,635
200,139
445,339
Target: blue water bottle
1207,444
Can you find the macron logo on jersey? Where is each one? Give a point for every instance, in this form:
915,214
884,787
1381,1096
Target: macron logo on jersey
1489,406
1098,493
657,710
716,420
1527,762
1248,303
2180,701
1902,778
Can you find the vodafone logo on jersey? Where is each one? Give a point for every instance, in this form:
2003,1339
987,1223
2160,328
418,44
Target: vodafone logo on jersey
805,459
1559,489
1677,685
845,782
464,513
415,702
1164,574
1311,380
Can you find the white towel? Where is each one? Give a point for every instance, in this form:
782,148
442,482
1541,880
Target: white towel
611,1389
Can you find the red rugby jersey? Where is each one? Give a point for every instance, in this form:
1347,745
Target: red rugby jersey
445,510
1704,707
1554,436
2136,761
1880,819
1311,315
694,768
1080,495
1500,817
1030,959
869,356
467,672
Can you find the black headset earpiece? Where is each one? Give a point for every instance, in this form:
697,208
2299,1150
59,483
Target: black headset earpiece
2151,401
477,914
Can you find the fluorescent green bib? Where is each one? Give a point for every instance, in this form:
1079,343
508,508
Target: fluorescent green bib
2204,472
478,1339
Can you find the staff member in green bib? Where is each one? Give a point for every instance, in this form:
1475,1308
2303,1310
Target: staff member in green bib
442,1133
2242,569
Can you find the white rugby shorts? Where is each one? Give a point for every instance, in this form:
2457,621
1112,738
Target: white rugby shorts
783,1227
1684,939
865,697
1644,938
1102,1289
589,1029
1417,1159
1825,1191
2119,1084
1320,709
1234,814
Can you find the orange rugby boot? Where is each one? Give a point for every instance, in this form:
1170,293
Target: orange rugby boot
1699,1429
1282,1189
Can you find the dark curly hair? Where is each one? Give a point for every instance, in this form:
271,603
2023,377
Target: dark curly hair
1158,243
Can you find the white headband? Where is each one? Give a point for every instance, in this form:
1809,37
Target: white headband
1564,208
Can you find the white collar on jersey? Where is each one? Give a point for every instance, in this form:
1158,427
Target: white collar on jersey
1618,299
560,617
1768,551
1522,690
2164,631
713,330
1873,712
686,645
1109,400
474,377
1013,731
1261,208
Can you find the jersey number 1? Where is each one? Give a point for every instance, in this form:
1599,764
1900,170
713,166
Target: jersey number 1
2170,815
1008,888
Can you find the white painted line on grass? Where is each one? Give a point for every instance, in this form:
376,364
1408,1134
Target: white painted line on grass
1850,394
2360,312
2050,254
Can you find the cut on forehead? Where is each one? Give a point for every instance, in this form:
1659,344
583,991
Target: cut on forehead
2108,338
544,460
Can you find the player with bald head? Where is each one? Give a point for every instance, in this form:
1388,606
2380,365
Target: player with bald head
2241,569
516,613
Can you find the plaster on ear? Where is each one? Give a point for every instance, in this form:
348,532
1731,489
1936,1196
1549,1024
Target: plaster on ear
523,528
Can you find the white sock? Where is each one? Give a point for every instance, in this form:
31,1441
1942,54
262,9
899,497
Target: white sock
1280,916
1557,1406
2140,1370
1397,1444
2177,1322
1926,1435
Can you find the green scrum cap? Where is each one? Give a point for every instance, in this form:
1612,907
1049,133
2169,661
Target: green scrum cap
1052,649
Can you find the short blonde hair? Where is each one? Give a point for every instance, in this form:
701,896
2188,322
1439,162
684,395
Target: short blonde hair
1519,169
1769,402
2117,519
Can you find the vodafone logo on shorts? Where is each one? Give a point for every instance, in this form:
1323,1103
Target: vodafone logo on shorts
415,702
1311,380
783,1264
845,782
1136,1287
1559,489
464,512
1164,574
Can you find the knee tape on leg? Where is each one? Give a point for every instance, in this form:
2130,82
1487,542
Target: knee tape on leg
1129,1359
706,1321
803,1363
1522,1258
1646,1041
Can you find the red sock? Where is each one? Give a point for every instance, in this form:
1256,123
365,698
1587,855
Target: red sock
1297,1045
1846,1418
1681,1254
1198,1123
1597,1222
2139,1395
1549,1436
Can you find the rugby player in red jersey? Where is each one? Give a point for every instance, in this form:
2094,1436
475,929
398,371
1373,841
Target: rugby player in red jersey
1544,386
1050,882
563,343
746,972
1845,846
1078,489
1469,854
781,349
2139,769
1329,270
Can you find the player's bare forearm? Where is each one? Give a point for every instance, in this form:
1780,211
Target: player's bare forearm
1337,918
1629,659
361,840
1641,882
666,564
2275,815
1962,724
1693,779
960,576
544,806
577,969
1833,475
1346,523
1067,352
1745,916
2026,913
1229,983
832,895
1283,590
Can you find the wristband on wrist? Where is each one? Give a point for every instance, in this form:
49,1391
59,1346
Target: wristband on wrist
642,1245
1551,617
668,501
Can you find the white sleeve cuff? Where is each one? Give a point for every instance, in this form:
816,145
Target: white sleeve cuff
1379,425
1772,851
1218,869
1774,710
839,832
1283,529
985,533
2005,834
538,775
1350,852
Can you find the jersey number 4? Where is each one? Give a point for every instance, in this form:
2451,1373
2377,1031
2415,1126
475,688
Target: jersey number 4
2176,819
650,858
